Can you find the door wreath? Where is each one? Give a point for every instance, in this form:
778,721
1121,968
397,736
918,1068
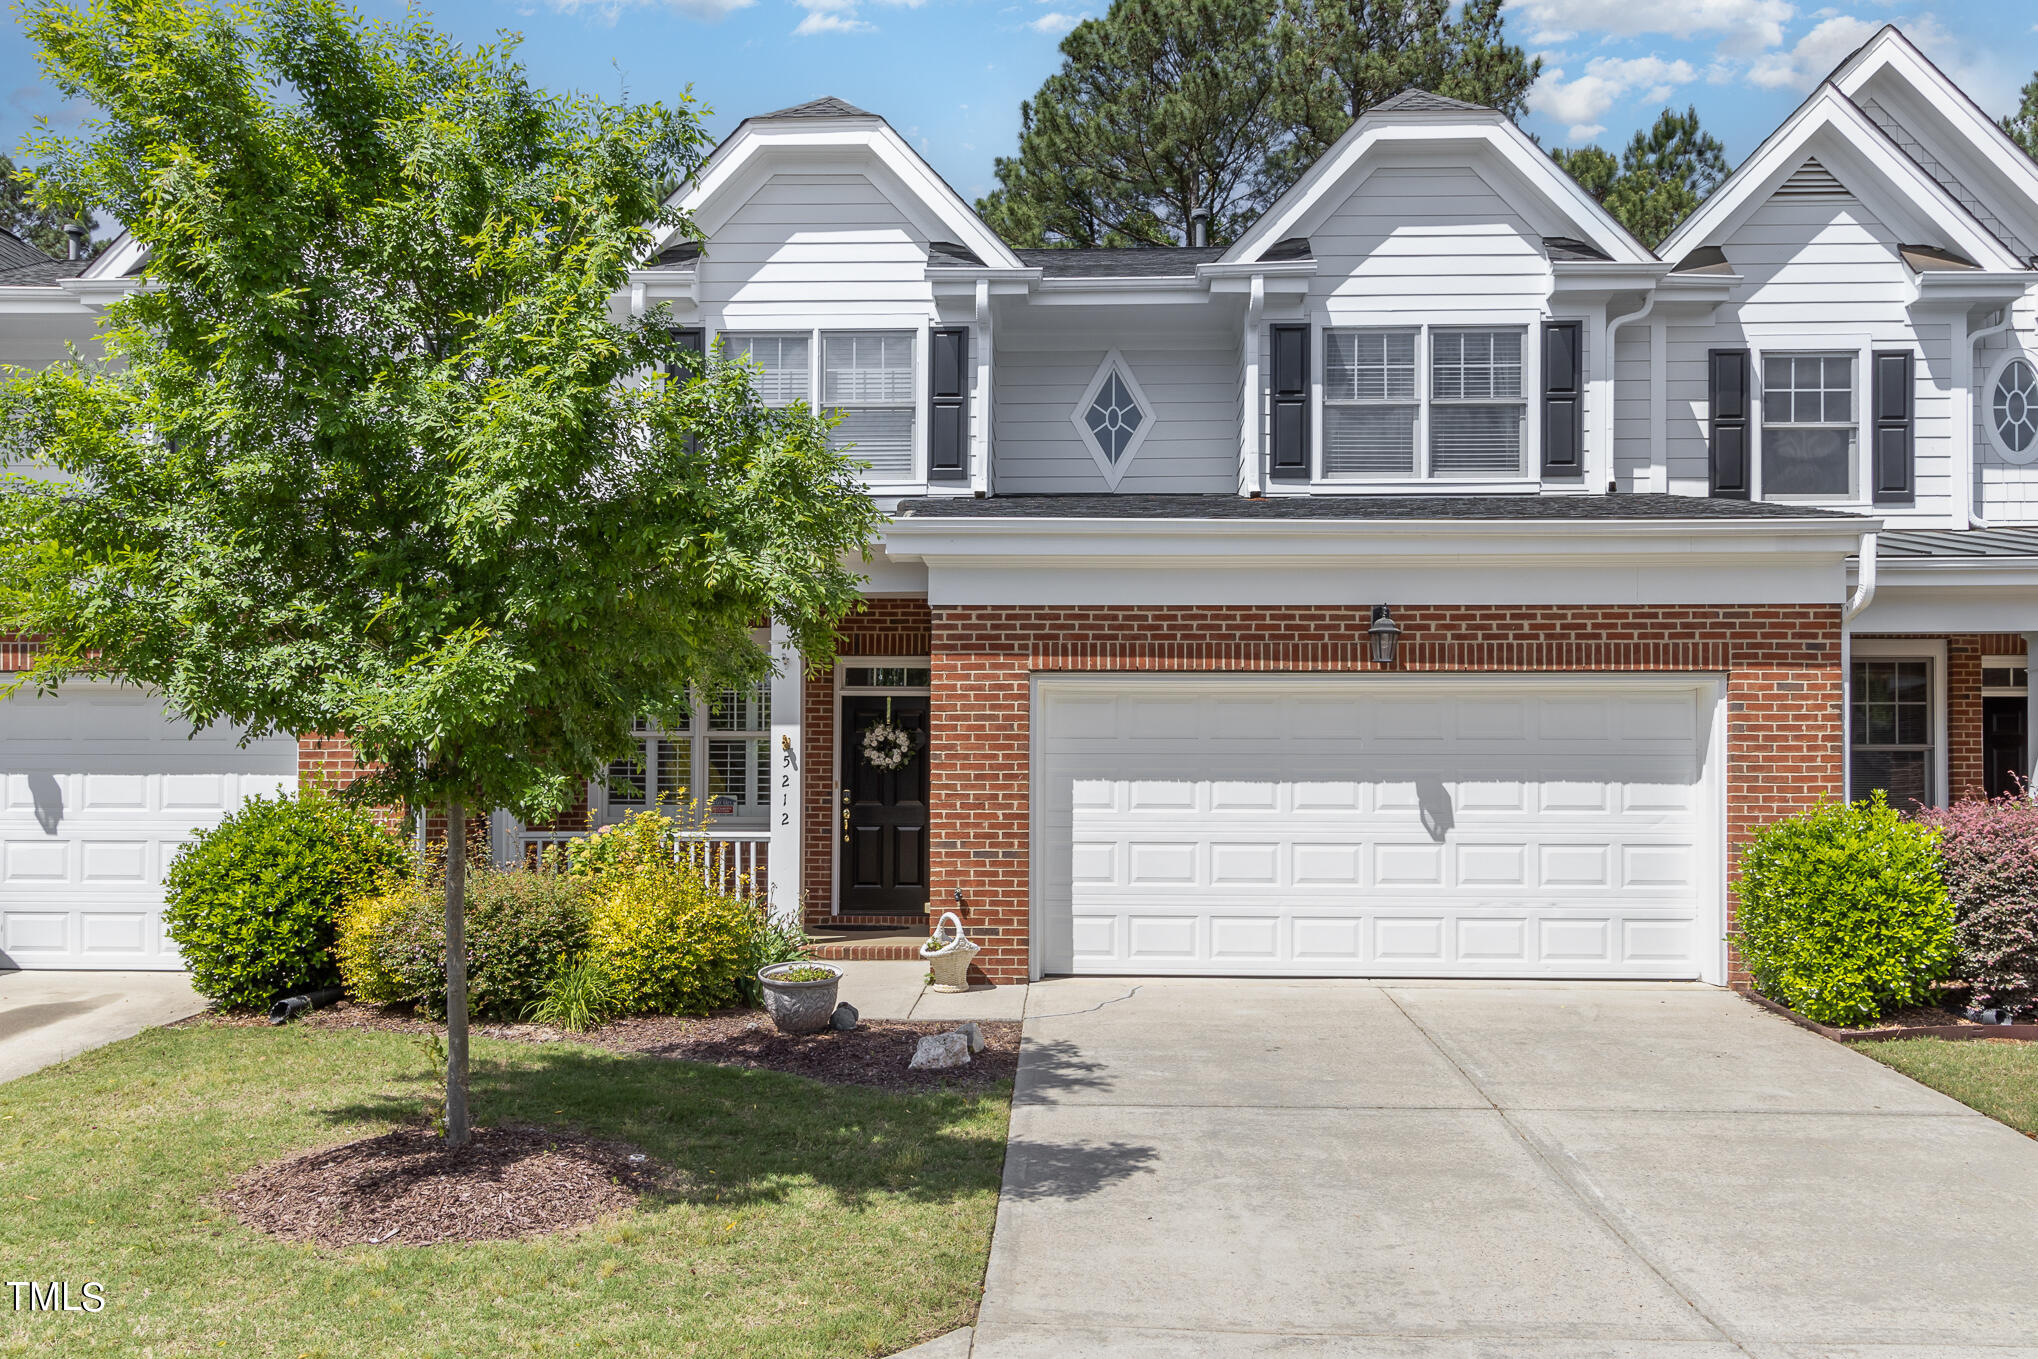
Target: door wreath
885,745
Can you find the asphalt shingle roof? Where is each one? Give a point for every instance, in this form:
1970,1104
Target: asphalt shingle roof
827,106
1335,507
1158,261
1422,101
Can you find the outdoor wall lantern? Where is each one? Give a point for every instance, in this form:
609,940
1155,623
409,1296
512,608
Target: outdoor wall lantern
1386,634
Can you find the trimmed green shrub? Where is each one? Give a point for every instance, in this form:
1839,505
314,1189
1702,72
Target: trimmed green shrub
1843,913
523,926
252,903
667,941
1988,852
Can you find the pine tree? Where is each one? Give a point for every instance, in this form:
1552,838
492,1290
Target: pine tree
1665,173
2023,124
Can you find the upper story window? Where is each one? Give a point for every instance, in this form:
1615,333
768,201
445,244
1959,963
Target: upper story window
866,377
1381,420
2013,410
1808,426
869,379
1476,404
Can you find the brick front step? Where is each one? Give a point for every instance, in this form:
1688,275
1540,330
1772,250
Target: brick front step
867,953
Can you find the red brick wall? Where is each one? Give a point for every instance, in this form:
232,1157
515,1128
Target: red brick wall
1963,705
1783,694
886,627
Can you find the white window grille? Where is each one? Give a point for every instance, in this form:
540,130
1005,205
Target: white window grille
2013,410
718,757
1808,426
1370,403
868,378
784,363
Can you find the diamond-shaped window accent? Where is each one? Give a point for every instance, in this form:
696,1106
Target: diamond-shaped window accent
1113,417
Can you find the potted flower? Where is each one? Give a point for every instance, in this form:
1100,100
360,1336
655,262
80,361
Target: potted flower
800,996
949,955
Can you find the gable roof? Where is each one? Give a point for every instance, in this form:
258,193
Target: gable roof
1788,153
827,106
1149,261
1414,117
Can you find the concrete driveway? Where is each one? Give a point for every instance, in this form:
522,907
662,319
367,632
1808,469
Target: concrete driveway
1516,1171
49,1017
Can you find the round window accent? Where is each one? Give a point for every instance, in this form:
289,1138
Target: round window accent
2013,410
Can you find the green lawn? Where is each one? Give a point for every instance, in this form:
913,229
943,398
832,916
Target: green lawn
828,1220
1998,1078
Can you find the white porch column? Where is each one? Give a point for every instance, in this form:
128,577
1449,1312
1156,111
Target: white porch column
2030,713
788,764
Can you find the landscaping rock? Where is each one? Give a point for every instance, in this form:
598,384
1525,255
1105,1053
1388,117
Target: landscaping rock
844,1017
974,1036
938,1051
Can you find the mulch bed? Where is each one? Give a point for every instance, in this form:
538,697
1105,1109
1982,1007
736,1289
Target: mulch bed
408,1188
875,1053
1915,1022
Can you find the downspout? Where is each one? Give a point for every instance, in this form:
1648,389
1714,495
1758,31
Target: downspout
1613,328
1974,338
1251,476
1863,596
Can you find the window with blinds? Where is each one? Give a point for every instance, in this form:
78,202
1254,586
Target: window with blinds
1369,403
1808,433
869,379
719,757
1476,404
784,364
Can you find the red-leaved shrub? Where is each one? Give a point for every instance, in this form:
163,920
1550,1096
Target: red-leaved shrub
1989,857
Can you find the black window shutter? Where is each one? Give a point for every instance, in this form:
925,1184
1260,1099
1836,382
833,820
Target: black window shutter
1895,449
1727,397
948,403
1290,381
1563,400
688,340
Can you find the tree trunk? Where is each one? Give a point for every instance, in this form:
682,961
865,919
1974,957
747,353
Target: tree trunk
458,1126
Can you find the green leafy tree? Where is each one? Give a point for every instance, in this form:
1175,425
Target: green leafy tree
2023,124
1339,58
373,453
1664,174
1160,109
41,226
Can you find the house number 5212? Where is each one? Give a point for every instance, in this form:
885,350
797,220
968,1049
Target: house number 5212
788,764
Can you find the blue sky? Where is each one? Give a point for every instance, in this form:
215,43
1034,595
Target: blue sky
950,74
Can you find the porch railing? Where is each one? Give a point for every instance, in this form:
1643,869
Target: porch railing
732,861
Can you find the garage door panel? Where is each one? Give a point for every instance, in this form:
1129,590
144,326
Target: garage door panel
99,789
1460,833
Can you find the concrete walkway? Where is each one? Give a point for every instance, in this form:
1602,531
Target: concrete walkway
49,1017
889,990
1299,1168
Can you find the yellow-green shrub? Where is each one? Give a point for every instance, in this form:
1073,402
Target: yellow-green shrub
667,942
358,947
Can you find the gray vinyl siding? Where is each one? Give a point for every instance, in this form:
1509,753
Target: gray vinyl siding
1192,447
810,245
2004,492
1421,243
1631,384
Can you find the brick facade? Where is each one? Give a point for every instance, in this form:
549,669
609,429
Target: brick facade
888,626
1781,664
1963,705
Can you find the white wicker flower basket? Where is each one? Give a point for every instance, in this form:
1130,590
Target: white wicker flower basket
949,955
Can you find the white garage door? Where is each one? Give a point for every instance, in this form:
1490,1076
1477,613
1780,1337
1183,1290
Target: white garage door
1378,826
98,789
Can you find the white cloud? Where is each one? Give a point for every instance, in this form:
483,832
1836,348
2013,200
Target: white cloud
609,9
830,16
1054,23
1744,27
1816,53
1981,73
1606,81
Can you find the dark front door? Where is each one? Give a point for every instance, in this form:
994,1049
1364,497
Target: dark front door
882,816
2003,732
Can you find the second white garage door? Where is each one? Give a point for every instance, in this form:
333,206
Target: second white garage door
98,791
1378,826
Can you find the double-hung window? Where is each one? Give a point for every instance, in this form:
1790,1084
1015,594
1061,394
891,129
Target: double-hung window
1384,420
868,378
1808,426
1889,730
718,757
1370,403
1476,403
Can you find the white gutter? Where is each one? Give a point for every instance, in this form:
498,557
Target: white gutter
1864,582
1974,464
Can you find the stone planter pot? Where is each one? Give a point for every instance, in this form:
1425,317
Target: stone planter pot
948,955
799,1006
